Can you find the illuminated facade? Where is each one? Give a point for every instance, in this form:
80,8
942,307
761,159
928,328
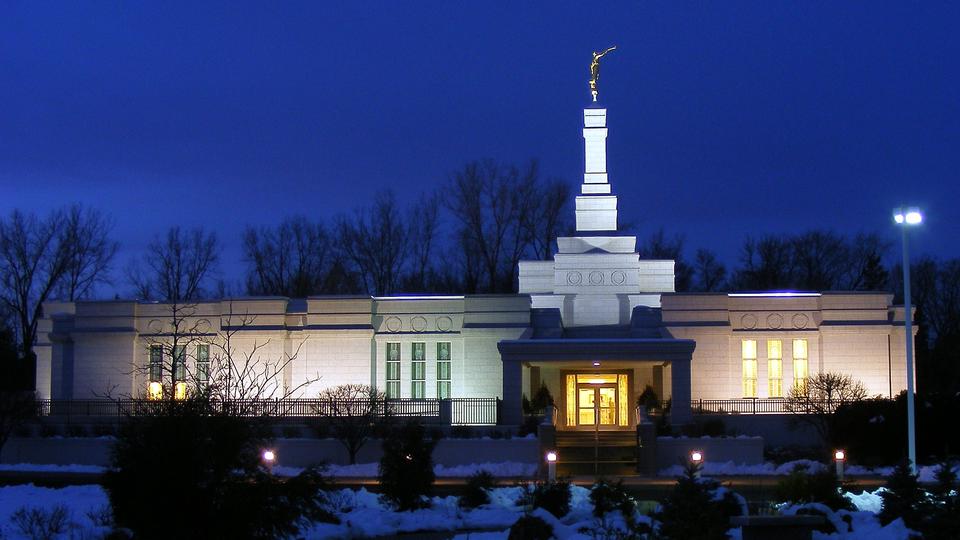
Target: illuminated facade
597,325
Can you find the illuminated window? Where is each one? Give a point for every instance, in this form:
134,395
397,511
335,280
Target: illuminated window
156,363
418,371
775,367
748,350
443,370
571,400
801,367
203,364
393,370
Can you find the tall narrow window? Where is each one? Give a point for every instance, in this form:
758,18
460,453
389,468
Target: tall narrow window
155,387
179,372
418,371
801,367
203,364
749,355
443,370
393,370
775,367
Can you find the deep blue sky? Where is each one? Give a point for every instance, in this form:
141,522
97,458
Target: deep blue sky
726,119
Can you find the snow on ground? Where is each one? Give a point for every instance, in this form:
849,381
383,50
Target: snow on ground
363,514
40,467
856,525
79,501
728,468
504,469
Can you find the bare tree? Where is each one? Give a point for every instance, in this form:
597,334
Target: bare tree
177,267
16,407
66,251
87,232
815,401
421,239
354,412
820,258
188,358
658,246
375,241
550,217
710,273
766,264
865,264
291,260
493,205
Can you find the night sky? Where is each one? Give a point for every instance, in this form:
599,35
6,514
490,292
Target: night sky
726,119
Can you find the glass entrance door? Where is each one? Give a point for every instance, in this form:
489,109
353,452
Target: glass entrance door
597,405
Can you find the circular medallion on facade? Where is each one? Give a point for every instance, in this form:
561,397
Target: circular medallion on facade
155,326
393,324
574,278
800,320
444,324
748,321
418,324
618,277
203,326
596,277
774,320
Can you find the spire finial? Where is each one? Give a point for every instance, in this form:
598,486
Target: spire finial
595,70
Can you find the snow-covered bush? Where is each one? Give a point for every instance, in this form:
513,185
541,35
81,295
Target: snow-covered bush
801,486
903,497
607,497
475,491
554,497
696,508
406,468
191,460
530,528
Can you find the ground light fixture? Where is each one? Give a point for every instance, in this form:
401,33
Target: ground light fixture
839,456
269,458
906,217
696,458
552,466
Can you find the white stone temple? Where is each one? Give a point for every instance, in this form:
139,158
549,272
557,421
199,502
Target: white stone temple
597,325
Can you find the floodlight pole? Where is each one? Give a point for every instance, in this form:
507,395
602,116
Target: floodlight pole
908,337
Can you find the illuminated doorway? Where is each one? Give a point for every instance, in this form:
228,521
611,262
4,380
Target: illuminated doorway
597,401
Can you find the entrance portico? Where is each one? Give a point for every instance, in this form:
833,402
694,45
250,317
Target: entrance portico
596,383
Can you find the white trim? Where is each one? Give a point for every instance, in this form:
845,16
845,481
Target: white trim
424,297
773,294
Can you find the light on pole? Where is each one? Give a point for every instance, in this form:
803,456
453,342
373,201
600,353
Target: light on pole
905,217
552,466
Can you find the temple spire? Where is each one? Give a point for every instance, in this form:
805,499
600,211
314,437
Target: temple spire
596,207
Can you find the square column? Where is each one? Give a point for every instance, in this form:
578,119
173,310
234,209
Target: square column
680,412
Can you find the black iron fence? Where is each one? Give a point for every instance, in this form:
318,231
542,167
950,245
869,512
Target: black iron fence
759,406
456,411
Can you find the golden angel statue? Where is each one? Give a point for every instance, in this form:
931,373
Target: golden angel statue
595,70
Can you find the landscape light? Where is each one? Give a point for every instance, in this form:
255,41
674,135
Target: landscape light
696,456
839,456
269,456
552,466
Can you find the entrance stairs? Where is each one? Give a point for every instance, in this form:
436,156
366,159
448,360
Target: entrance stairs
604,453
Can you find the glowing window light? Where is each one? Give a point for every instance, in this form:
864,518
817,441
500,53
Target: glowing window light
155,390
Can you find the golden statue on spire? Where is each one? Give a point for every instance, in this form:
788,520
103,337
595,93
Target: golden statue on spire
595,70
